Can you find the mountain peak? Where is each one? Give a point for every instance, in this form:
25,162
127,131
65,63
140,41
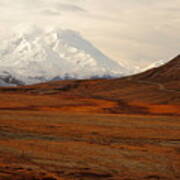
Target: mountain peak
34,55
28,31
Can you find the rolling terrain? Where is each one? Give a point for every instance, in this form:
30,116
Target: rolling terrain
116,129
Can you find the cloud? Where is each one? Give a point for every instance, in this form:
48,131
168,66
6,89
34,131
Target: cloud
57,9
50,12
69,7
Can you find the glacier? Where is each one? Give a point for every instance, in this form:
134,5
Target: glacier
32,55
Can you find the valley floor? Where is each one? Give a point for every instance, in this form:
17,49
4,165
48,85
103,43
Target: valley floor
90,130
46,145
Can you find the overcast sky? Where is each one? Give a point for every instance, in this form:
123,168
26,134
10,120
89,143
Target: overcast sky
137,31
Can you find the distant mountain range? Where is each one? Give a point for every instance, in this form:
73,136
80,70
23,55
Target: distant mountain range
34,56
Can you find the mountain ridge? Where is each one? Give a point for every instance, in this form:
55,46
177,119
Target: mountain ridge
169,71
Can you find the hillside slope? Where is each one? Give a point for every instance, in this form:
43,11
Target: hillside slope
166,73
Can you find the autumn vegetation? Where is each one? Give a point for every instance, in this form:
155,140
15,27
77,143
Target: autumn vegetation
117,129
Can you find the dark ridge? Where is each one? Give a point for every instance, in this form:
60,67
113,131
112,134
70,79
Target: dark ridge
9,79
168,72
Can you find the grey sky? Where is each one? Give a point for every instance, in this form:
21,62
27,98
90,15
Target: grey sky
137,31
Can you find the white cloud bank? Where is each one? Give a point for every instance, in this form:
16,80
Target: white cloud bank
137,31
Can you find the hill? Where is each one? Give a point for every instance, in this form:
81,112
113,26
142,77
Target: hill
165,73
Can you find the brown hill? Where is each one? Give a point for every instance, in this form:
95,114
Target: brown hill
167,72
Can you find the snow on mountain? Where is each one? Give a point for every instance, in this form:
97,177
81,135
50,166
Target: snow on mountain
32,56
7,79
155,65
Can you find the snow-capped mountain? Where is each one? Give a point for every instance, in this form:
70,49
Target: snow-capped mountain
7,79
155,65
32,56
